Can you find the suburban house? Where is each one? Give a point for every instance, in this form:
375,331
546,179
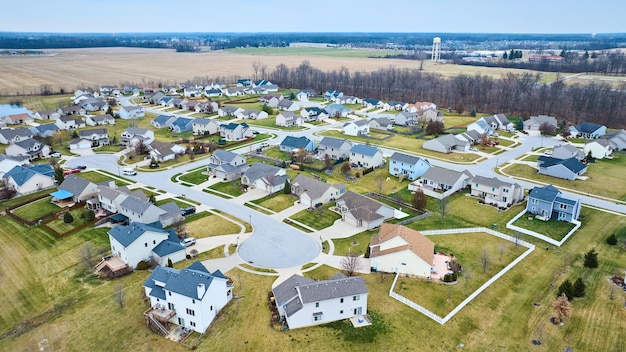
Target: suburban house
568,169
246,82
312,192
335,148
566,151
28,179
190,298
79,143
265,177
192,92
8,136
213,92
305,94
399,249
361,211
471,136
617,139
495,192
47,115
599,149
288,119
406,118
31,148
503,122
109,90
535,122
9,162
587,130
332,95
169,89
481,126
94,104
409,166
45,130
132,135
305,302
442,180
17,119
162,121
253,114
99,120
181,125
548,202
161,151
79,188
234,92
446,144
348,99
131,112
356,128
110,197
381,123
287,105
202,126
374,103
398,105
69,122
293,144
366,156
231,111
226,165
208,107
97,136
313,114
336,110
137,241
271,100
235,131
138,209
71,110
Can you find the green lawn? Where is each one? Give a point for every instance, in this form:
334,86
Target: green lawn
167,200
61,227
211,225
232,188
552,228
276,202
270,122
318,219
109,149
22,199
357,244
195,177
468,250
37,209
95,177
276,153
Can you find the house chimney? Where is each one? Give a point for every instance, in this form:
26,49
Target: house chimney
201,290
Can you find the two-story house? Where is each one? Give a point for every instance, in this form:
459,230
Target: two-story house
226,165
31,148
97,136
335,148
549,202
138,241
292,144
202,126
366,156
235,131
495,192
356,128
410,166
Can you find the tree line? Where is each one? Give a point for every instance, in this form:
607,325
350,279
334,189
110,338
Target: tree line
513,94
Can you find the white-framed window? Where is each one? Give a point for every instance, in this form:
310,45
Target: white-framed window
191,312
192,324
317,304
356,298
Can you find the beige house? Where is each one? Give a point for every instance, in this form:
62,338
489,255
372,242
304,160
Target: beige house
399,249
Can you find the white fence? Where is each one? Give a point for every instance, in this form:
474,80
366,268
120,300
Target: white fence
509,225
435,317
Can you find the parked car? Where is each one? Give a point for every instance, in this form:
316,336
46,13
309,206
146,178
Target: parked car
188,211
72,171
548,152
474,149
55,155
80,167
187,242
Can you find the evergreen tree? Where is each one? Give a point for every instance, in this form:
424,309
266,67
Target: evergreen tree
68,218
591,259
505,56
512,55
520,125
579,288
473,112
169,263
287,187
612,240
586,55
59,177
563,53
567,289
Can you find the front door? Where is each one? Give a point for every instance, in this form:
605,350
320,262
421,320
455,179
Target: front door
358,311
181,322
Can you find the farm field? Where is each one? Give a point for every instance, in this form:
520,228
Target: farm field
92,66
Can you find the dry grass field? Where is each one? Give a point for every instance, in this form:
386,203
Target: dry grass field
95,66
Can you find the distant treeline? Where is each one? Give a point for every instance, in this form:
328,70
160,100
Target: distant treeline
519,95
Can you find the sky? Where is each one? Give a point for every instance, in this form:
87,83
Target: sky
417,16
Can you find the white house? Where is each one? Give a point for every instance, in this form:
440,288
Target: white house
235,131
9,162
227,110
495,192
361,211
265,177
312,192
587,130
79,143
366,156
599,149
287,105
335,148
8,136
253,114
356,128
98,136
99,120
191,297
288,119
399,249
201,126
535,122
306,302
28,179
80,188
17,119
131,112
69,122
436,180
133,135
138,241
226,165
31,148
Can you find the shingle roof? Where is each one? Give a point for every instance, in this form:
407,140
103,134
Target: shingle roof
126,235
364,149
405,158
21,174
258,170
331,142
225,155
75,185
490,181
295,142
330,289
571,164
444,176
184,282
415,242
587,127
136,205
547,193
361,207
167,247
9,134
313,187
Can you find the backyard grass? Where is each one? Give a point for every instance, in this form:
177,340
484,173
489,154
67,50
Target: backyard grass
217,252
467,249
109,149
357,244
61,227
98,176
37,209
276,202
232,188
119,180
552,228
211,225
195,177
7,203
236,220
270,122
319,218
276,153
604,178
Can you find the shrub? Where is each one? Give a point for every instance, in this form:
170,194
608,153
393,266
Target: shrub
591,259
143,265
450,277
611,240
91,215
68,218
567,288
579,288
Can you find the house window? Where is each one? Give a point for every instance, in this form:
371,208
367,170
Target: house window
146,244
493,189
504,199
506,190
193,301
317,316
563,206
211,308
192,324
533,201
191,312
356,298
153,241
170,306
341,311
341,300
477,185
317,304
169,293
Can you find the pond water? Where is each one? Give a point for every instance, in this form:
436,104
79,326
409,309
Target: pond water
7,109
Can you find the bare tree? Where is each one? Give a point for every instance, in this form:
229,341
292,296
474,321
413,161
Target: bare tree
380,181
518,237
350,264
119,295
345,168
562,308
86,255
180,228
501,249
258,66
442,207
484,260
418,200
484,141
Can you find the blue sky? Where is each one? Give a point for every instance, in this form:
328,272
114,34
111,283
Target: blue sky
438,16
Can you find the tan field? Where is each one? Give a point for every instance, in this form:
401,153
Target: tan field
71,68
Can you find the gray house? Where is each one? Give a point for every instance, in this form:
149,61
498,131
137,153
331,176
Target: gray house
568,169
227,165
312,192
446,144
566,151
335,148
80,188
549,202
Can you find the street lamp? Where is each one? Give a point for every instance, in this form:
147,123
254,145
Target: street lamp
250,220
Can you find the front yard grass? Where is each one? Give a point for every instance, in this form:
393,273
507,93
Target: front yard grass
319,218
211,225
195,177
167,200
276,202
468,249
356,245
36,209
270,122
552,228
232,188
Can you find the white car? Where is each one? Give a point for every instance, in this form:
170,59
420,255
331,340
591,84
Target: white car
187,242
548,152
55,155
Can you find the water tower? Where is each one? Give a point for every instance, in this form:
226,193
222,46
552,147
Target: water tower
436,49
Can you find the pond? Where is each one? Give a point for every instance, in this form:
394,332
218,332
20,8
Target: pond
8,109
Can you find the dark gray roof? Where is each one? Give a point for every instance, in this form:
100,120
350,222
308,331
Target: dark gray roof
286,294
184,282
405,158
332,289
75,185
587,127
490,119
547,193
571,164
258,170
444,176
171,209
126,235
86,133
285,103
331,142
360,206
202,121
225,155
313,187
295,142
503,119
9,134
490,181
136,205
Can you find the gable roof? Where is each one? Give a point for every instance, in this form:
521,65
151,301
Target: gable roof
9,134
491,181
225,155
587,127
360,206
313,187
126,235
21,174
547,193
444,176
295,142
162,119
571,164
87,133
364,149
184,282
136,205
405,158
75,185
415,242
259,170
330,289
331,142
503,119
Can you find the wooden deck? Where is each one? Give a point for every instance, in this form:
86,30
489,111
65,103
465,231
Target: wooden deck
112,266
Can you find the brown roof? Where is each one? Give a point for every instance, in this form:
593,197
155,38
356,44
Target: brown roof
416,242
17,117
